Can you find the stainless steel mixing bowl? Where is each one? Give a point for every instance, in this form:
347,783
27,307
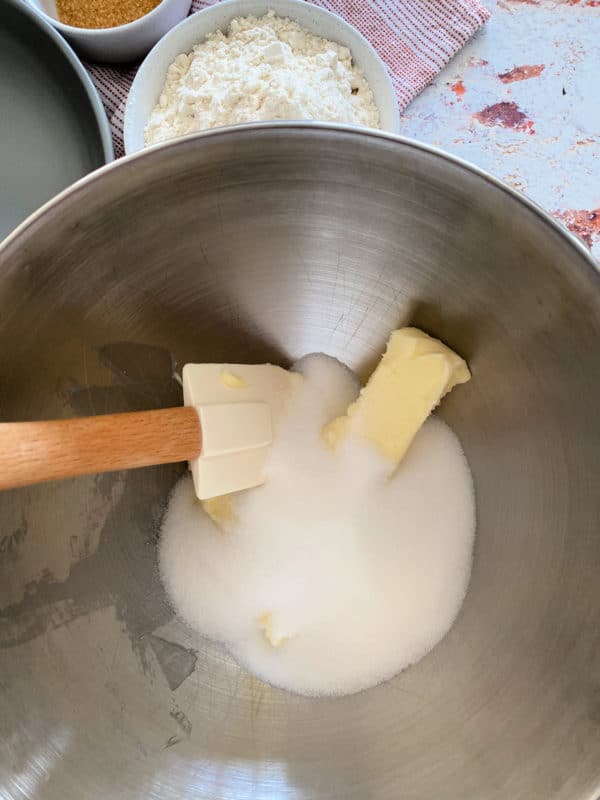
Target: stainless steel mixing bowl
265,244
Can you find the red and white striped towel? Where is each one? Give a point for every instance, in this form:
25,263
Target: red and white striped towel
415,39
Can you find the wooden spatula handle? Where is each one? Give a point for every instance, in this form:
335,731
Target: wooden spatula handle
34,452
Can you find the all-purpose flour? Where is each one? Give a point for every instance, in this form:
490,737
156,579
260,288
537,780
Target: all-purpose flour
264,68
331,577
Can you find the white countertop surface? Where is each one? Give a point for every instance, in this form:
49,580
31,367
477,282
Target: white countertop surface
522,101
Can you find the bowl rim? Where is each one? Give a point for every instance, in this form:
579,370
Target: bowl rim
197,140
90,33
214,10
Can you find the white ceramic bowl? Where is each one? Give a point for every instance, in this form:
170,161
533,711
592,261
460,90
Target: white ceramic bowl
123,43
150,78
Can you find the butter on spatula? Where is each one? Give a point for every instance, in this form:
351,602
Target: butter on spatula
239,406
415,372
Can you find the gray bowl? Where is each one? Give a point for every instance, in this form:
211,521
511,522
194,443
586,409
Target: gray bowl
53,127
262,244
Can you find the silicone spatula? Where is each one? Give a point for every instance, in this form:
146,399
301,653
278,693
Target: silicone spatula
224,429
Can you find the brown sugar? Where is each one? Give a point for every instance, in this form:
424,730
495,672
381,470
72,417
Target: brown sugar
102,13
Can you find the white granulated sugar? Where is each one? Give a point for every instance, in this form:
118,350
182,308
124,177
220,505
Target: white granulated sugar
265,68
353,574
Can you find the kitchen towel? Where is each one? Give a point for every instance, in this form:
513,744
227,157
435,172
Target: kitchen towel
415,39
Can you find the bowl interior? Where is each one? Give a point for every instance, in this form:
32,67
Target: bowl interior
53,128
150,78
263,244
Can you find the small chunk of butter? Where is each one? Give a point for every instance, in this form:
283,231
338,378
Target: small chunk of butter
232,381
268,626
415,372
220,510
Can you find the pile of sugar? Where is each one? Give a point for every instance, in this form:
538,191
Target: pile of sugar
358,574
262,69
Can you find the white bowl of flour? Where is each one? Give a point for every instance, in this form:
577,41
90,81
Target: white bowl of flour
309,97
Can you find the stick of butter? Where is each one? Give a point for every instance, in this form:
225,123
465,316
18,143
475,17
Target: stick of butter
415,372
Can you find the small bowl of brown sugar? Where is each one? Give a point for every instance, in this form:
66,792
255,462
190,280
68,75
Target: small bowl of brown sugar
113,31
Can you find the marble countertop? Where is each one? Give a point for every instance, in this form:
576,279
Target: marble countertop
522,101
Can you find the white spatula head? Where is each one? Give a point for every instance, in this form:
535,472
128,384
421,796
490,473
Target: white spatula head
239,406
